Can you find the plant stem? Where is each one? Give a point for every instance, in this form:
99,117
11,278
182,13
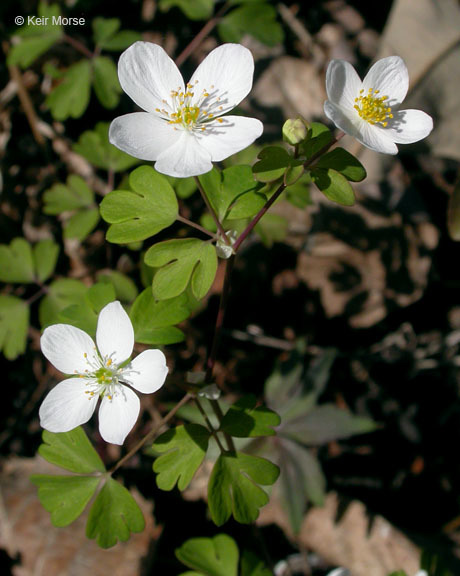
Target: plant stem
194,225
78,45
207,28
209,425
212,211
152,432
249,228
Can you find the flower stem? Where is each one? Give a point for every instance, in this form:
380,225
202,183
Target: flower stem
195,225
78,45
207,28
212,211
249,228
209,425
152,433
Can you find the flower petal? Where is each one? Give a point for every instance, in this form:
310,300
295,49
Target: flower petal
342,83
372,137
114,334
147,74
234,133
410,126
147,372
226,72
184,158
65,347
390,76
67,405
118,414
143,135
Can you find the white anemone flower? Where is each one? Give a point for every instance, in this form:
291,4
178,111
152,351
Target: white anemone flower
182,128
369,110
99,372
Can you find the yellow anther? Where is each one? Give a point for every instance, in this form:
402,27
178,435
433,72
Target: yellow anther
109,361
372,108
220,120
109,397
85,355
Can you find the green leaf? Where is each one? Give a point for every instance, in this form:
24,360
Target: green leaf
65,497
70,98
184,450
334,186
234,487
121,40
73,195
181,262
104,28
45,255
256,20
343,162
81,224
142,212
319,136
324,424
245,420
14,325
301,480
152,319
105,81
251,565
84,314
398,573
71,451
36,39
272,164
17,262
216,556
114,515
453,213
61,293
196,10
298,194
94,145
125,288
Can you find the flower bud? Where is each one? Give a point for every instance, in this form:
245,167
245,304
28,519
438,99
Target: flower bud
295,131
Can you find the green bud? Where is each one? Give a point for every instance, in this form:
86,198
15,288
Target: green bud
295,131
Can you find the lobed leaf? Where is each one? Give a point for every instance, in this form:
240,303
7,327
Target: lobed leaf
196,10
60,294
45,254
246,420
14,325
114,515
256,19
105,82
184,449
146,209
217,556
17,262
70,98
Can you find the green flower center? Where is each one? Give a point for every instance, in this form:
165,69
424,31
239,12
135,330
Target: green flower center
373,108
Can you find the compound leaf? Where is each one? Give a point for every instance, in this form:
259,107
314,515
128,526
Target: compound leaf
245,420
70,97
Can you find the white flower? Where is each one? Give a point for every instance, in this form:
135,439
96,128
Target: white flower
369,110
182,128
99,372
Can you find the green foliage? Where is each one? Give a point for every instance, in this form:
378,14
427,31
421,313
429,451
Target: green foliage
233,193
196,10
14,325
246,420
334,186
344,163
125,288
182,262
216,556
298,193
234,487
184,449
453,213
107,36
77,198
60,294
154,320
398,573
273,164
146,209
256,19
71,451
65,497
434,564
105,82
84,314
95,147
318,136
20,263
36,39
272,228
70,98
251,565
114,515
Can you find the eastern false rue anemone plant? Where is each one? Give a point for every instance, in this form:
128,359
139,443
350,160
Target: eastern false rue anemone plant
368,110
99,372
183,128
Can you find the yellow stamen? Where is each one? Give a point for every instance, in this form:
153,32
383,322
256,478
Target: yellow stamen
372,108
